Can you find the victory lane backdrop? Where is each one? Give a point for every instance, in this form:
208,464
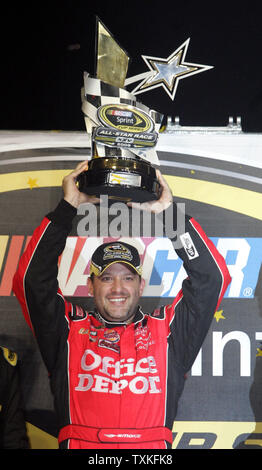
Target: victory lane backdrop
221,403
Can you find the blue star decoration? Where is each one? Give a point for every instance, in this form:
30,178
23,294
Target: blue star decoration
166,72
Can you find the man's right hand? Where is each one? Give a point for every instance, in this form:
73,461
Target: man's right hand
70,188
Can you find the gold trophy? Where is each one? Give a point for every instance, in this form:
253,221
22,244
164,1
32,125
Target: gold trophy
123,131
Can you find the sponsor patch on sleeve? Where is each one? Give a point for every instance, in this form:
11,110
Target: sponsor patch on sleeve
77,313
189,246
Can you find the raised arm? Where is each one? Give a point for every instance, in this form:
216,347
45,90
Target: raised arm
35,282
191,313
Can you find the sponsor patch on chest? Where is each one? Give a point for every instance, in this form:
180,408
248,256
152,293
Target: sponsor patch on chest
105,374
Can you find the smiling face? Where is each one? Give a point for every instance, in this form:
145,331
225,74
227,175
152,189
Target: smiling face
117,292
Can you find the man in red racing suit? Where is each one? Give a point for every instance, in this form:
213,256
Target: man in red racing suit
116,382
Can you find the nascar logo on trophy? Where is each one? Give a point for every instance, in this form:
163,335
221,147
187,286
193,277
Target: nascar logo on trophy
124,132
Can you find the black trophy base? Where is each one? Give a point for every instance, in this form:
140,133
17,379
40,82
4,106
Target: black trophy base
121,179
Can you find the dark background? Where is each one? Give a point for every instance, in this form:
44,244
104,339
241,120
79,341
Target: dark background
46,46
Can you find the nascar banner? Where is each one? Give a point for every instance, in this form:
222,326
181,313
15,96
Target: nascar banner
215,177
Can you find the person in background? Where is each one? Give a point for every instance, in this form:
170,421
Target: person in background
13,433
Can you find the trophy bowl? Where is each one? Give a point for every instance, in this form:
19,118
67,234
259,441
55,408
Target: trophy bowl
122,179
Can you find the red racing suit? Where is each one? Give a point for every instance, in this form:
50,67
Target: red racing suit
116,386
